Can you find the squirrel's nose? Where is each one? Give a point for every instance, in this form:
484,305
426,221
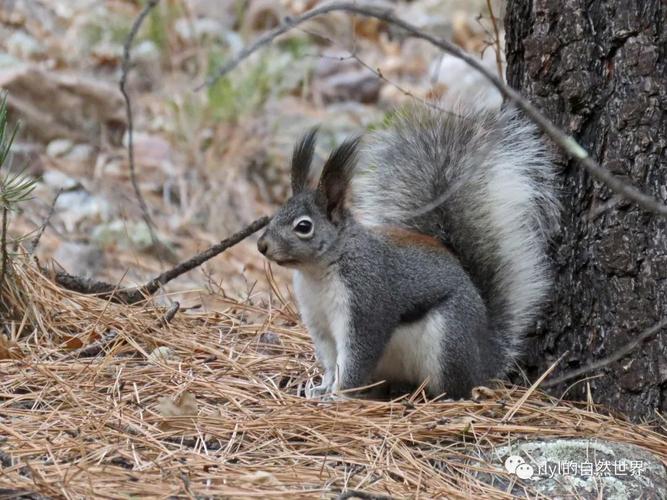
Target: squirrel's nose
262,245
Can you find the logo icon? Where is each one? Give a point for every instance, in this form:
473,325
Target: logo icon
517,465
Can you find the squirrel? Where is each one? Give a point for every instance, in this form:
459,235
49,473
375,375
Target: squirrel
420,257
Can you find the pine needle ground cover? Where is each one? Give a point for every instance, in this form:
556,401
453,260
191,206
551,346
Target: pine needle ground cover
104,400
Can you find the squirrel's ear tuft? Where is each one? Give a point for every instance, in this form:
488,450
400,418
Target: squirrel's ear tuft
302,157
336,176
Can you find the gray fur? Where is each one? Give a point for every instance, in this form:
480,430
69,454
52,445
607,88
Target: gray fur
378,307
494,179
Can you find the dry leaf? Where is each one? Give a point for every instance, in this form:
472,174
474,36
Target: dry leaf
161,354
481,392
260,477
9,349
184,406
70,342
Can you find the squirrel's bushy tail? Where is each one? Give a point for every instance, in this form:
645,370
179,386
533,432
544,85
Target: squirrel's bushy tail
482,182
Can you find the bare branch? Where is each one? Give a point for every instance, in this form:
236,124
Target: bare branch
139,294
565,141
47,220
619,354
125,69
496,40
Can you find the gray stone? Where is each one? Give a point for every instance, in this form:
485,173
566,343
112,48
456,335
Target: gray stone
146,51
361,86
59,147
464,85
126,234
80,259
58,180
581,468
269,343
199,29
75,207
7,61
24,46
80,153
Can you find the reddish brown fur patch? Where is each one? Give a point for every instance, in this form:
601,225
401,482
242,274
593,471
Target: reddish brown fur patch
401,236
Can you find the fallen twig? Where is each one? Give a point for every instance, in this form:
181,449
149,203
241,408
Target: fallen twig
565,141
138,294
169,315
52,209
619,354
360,495
95,348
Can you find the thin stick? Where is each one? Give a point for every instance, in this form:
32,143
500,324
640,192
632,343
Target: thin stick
362,495
565,141
169,315
620,353
95,348
512,411
499,61
125,69
42,228
139,294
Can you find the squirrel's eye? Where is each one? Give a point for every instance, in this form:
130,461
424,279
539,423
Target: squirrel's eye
303,227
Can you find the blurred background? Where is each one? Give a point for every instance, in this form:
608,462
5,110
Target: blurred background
211,160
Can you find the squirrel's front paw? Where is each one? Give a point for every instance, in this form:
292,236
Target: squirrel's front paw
317,391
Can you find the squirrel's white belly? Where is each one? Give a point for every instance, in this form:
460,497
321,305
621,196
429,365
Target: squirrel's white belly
324,307
414,353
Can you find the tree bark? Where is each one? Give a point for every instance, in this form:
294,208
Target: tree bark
598,69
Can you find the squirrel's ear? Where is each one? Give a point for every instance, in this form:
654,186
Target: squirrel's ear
302,157
336,176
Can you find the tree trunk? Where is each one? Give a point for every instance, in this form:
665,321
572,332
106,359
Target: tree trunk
598,69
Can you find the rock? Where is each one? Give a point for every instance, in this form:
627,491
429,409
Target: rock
66,149
73,207
146,51
24,46
224,12
587,469
152,151
80,153
53,105
465,84
59,147
58,180
146,58
127,234
269,343
80,259
204,28
161,354
7,61
361,86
